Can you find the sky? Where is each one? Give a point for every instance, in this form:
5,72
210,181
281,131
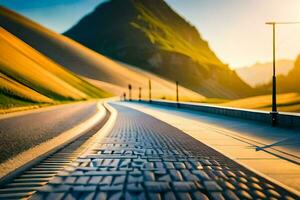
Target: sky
235,29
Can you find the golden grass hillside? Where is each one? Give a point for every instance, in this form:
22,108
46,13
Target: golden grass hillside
113,76
288,102
28,76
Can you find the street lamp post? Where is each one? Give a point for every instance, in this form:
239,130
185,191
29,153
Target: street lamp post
150,91
124,96
129,91
274,113
140,93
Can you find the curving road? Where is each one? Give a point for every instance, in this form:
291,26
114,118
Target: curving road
19,132
141,157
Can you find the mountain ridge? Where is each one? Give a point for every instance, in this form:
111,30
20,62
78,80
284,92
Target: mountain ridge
109,75
261,73
150,35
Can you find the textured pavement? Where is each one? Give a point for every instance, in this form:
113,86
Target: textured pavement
144,158
272,151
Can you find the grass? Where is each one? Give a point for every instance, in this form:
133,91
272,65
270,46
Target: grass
287,102
27,77
7,102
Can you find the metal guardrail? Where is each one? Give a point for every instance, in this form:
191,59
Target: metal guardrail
285,119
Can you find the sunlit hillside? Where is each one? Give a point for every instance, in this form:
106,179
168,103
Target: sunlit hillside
111,75
288,102
27,76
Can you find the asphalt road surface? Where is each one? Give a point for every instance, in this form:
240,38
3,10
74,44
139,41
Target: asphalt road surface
21,132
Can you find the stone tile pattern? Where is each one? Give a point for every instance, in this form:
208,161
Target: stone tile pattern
144,158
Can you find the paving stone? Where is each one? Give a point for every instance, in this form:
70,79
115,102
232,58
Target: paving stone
105,173
201,174
180,186
242,179
136,196
212,186
244,194
259,194
133,179
230,195
111,187
256,186
95,180
82,180
116,196
101,196
149,176
106,180
119,180
243,186
197,195
273,193
18,195
155,196
55,196
183,196
156,186
135,187
166,177
254,179
287,197
169,165
82,188
176,175
217,196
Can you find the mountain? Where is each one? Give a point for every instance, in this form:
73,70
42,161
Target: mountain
94,67
261,73
290,82
150,35
27,76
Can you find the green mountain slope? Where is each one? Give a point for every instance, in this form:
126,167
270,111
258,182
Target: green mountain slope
106,73
27,76
149,34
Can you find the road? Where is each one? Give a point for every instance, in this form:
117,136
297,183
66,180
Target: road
143,158
20,132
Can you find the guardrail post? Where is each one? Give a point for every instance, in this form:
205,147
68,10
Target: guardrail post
177,95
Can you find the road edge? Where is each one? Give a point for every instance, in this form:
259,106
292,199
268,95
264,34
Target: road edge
36,154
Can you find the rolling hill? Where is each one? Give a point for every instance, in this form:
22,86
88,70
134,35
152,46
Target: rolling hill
94,67
261,73
28,77
288,93
290,82
150,35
